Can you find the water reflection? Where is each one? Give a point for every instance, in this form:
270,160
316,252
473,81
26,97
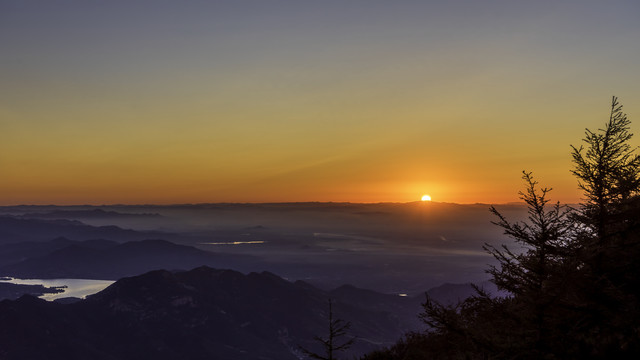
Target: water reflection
79,288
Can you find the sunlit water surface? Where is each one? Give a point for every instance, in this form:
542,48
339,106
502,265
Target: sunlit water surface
79,288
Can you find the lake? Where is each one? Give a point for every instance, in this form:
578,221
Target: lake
75,287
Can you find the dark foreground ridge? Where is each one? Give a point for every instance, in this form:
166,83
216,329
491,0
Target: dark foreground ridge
199,314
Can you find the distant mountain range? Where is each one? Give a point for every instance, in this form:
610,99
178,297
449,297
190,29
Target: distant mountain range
224,314
17,229
86,214
104,259
389,247
199,314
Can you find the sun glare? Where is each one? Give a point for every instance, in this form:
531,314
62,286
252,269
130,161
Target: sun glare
426,198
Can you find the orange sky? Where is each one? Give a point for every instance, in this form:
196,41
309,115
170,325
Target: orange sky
368,101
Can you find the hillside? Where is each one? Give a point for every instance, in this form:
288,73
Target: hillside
199,314
108,260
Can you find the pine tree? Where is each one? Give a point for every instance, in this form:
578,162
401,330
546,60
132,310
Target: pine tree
608,256
332,344
535,278
608,173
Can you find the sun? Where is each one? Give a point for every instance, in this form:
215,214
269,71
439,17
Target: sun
426,198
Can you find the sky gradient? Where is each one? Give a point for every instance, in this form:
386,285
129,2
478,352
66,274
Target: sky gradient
106,102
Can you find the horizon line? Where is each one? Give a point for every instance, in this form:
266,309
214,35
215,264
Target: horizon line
271,203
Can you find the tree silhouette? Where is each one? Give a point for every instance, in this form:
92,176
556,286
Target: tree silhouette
574,288
523,324
532,277
607,295
607,171
332,344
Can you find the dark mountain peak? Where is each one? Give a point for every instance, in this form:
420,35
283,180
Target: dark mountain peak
28,299
270,275
202,269
147,280
67,300
201,281
202,284
139,292
203,272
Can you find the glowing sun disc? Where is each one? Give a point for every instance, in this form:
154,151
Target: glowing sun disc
426,198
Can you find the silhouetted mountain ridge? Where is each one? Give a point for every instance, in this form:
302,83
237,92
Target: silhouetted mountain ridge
15,229
108,260
87,214
203,313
